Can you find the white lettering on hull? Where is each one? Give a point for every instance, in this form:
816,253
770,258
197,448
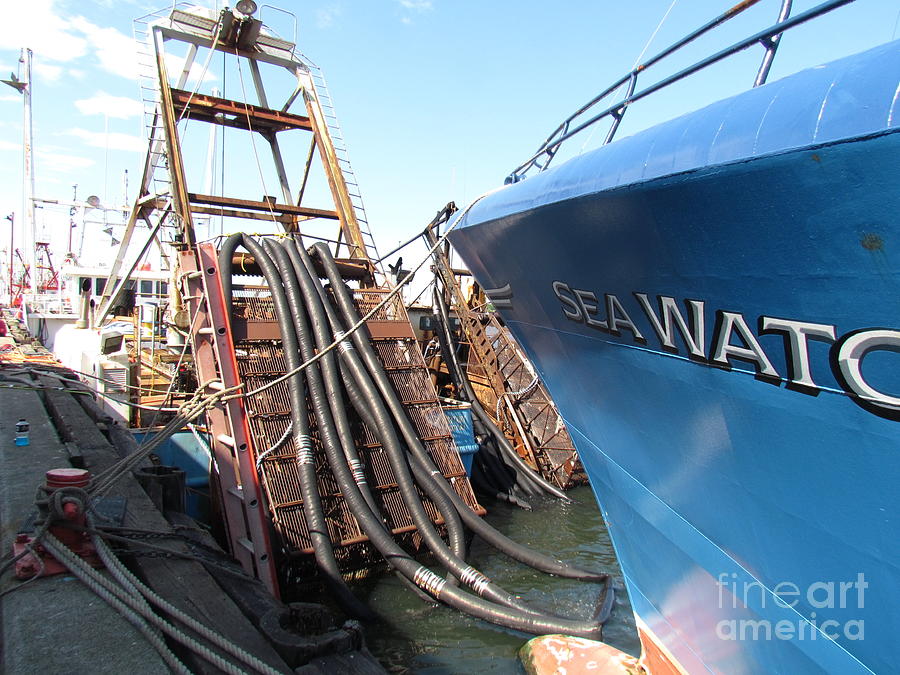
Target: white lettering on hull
732,339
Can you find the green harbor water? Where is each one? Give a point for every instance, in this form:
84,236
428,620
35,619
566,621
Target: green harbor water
422,638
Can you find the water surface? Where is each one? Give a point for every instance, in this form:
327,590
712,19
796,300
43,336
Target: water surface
422,638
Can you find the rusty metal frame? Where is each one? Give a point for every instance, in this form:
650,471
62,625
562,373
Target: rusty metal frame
261,118
180,198
230,113
266,207
534,444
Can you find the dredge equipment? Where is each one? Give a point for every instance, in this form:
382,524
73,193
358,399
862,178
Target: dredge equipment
331,453
504,387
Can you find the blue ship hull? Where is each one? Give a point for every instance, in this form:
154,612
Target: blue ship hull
714,305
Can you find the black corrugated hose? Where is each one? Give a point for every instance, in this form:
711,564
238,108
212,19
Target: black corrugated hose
307,319
312,505
369,404
493,537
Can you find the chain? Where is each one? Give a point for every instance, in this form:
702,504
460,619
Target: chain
200,552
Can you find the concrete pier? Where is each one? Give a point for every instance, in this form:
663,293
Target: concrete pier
54,624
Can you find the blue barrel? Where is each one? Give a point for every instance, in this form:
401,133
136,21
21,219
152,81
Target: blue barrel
460,420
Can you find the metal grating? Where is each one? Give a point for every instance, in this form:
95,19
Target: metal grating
268,413
500,372
393,311
549,440
254,308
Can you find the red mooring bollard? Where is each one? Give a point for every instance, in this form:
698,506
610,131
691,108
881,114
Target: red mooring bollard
69,533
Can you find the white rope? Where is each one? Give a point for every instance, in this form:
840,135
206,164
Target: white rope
124,575
192,409
275,446
134,593
125,605
516,394
49,373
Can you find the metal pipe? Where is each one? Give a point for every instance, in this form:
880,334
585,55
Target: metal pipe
563,132
84,302
12,252
771,45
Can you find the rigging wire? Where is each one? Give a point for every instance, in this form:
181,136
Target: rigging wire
259,170
177,366
634,65
401,246
377,308
212,50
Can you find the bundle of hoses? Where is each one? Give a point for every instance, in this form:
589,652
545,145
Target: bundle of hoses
497,469
310,319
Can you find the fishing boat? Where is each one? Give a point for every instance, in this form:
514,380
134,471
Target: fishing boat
712,305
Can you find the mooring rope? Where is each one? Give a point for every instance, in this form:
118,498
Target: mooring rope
517,395
133,599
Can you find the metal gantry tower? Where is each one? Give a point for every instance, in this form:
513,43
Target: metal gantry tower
234,338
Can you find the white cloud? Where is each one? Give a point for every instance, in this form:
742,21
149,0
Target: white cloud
416,5
101,103
47,71
11,98
112,4
41,26
115,51
9,145
326,15
112,140
59,161
56,36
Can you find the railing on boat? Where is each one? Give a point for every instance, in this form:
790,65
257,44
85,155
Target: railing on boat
579,120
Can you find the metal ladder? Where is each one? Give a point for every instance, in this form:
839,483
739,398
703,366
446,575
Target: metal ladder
246,520
530,419
343,157
521,402
148,81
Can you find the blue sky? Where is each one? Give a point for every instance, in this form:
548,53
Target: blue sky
438,100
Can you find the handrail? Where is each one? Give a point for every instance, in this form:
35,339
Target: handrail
769,38
283,11
771,45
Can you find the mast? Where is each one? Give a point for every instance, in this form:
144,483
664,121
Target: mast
12,252
28,227
23,86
